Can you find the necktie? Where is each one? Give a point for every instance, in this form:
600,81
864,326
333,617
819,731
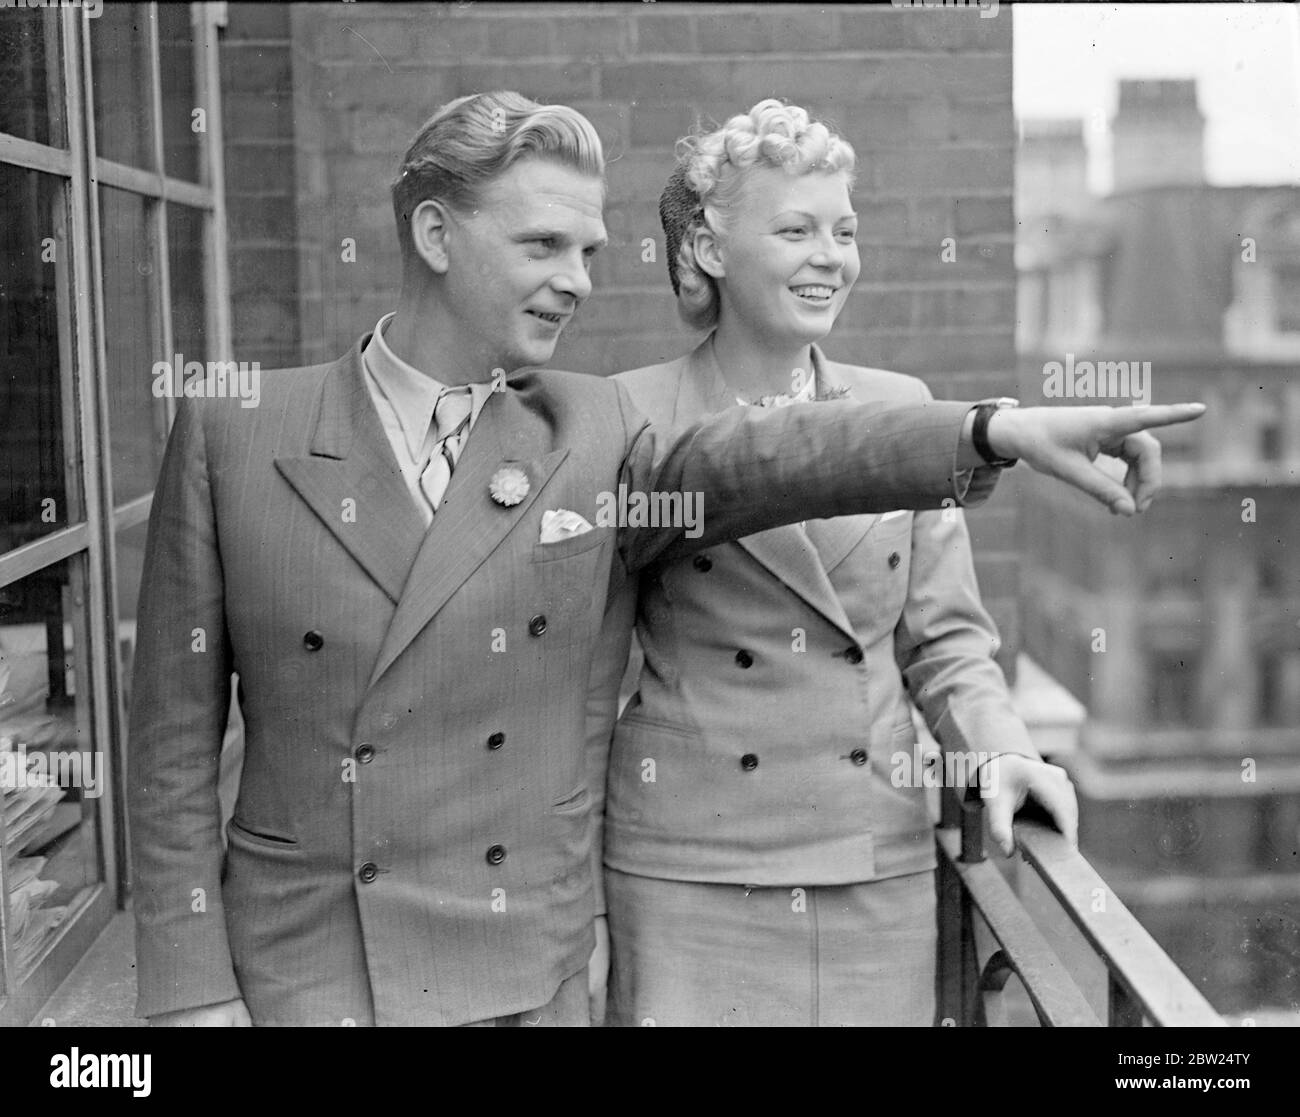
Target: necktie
450,418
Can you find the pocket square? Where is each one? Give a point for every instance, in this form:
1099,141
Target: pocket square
890,515
560,523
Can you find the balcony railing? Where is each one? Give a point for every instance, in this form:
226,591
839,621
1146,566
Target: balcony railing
1143,984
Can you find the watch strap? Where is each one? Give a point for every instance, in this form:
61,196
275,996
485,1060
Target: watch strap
980,432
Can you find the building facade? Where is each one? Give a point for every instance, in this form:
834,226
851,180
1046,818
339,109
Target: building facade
1180,632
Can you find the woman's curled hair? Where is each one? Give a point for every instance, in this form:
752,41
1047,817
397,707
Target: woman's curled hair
706,187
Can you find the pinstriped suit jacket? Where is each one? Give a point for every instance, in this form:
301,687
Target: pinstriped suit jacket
800,652
411,842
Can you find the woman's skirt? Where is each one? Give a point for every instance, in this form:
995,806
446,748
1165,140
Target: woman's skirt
698,955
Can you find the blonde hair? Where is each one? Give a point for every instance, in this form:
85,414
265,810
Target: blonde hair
471,140
712,166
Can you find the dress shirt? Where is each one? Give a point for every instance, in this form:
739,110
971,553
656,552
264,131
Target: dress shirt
405,399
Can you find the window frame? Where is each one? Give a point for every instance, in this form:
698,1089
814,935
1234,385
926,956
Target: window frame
83,378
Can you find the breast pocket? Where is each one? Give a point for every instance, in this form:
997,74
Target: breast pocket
568,580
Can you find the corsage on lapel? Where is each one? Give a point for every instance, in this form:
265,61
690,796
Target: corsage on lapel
509,485
837,391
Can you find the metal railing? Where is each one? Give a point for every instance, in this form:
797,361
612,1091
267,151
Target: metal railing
1144,985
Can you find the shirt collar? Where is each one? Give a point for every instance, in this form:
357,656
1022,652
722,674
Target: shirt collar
412,394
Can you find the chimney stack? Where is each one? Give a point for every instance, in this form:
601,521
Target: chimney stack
1051,169
1158,135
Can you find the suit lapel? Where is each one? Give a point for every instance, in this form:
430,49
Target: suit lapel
785,551
350,460
701,390
469,525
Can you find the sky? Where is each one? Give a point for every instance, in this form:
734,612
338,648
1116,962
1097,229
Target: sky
1245,56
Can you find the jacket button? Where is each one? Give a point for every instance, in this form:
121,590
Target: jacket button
496,854
496,740
744,658
749,762
313,641
368,872
537,625
858,756
365,753
853,654
702,563
894,559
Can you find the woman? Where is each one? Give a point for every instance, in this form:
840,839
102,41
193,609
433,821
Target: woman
762,866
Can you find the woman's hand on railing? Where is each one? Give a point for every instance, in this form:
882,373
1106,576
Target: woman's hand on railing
1020,778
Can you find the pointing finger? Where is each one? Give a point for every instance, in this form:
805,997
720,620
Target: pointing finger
1130,420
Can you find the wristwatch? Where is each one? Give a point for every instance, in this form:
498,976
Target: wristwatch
984,411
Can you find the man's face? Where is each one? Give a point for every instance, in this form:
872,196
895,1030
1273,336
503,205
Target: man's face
520,262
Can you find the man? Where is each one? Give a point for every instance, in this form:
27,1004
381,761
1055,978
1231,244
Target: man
390,554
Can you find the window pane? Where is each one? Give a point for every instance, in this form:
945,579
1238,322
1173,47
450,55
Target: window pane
34,412
53,772
186,266
31,78
137,421
119,65
1173,689
1287,286
179,99
130,563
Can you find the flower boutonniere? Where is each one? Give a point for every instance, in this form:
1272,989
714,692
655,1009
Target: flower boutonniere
509,485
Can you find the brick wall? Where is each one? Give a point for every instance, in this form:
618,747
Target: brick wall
261,184
924,96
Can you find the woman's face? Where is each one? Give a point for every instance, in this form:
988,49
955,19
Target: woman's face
788,254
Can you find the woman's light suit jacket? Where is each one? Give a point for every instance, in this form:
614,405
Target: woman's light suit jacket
772,728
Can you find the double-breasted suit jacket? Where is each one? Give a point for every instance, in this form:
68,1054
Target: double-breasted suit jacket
411,842
766,742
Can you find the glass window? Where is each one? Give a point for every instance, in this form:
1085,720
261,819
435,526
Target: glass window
1286,289
1270,441
58,873
186,256
179,95
53,771
137,420
1173,688
119,65
1277,697
1269,575
35,415
1172,567
31,78
130,564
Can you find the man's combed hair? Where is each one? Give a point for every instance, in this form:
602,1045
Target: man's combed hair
470,141
710,175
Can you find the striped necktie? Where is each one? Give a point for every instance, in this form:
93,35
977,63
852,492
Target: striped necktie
450,419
